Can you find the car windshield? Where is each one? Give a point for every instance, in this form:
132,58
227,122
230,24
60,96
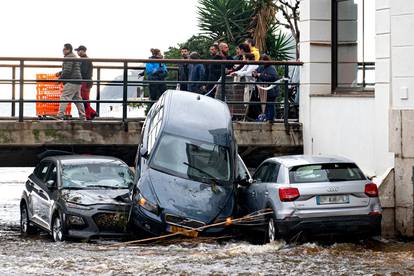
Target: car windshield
330,172
192,159
105,175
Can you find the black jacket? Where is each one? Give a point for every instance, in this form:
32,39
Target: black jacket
86,69
269,74
213,71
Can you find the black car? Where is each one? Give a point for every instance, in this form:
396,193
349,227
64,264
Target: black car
186,166
77,196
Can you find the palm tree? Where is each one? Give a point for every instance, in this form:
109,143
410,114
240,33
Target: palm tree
233,21
225,20
263,18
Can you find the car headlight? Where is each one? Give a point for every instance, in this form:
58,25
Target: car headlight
75,220
147,205
77,206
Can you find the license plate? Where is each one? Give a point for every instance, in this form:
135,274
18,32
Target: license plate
332,199
182,231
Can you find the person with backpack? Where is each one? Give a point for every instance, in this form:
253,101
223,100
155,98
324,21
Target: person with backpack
72,78
156,71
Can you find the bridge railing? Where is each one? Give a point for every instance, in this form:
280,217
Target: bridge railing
18,82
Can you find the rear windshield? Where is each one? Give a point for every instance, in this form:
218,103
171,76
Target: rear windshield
325,173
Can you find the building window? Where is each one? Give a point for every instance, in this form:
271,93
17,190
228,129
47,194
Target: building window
353,45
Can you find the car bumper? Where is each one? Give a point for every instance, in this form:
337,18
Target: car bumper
364,225
157,226
100,221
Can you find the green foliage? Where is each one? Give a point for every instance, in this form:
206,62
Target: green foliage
233,21
225,20
197,43
280,45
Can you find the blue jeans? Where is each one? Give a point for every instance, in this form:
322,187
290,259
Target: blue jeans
270,109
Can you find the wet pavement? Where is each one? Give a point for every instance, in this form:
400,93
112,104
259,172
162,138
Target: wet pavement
38,255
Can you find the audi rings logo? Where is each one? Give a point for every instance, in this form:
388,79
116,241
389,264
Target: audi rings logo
332,189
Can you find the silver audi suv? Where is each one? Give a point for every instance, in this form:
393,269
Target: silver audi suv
313,195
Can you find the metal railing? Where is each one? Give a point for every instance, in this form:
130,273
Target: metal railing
18,65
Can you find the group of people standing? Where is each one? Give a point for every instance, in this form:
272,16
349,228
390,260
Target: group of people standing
193,77
77,82
199,78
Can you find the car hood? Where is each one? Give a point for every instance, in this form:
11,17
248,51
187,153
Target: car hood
97,196
191,199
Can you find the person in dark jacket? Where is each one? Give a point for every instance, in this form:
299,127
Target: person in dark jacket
196,73
86,71
71,77
183,69
267,73
156,72
213,71
225,53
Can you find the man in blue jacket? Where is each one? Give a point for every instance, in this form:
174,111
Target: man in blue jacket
156,72
196,73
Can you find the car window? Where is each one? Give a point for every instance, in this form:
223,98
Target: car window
260,174
41,170
272,173
242,172
52,174
154,128
329,172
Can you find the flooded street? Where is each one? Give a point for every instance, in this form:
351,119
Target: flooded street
40,256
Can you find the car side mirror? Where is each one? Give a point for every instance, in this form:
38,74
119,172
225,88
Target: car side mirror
50,184
143,151
245,182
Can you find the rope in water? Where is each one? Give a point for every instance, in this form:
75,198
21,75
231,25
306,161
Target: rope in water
227,222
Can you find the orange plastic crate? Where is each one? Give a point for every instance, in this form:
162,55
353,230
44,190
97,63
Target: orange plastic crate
48,91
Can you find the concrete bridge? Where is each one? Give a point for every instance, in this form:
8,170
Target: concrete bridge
21,142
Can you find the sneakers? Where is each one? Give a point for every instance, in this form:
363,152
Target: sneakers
261,118
57,118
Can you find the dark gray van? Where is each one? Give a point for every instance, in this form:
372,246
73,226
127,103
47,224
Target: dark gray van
185,165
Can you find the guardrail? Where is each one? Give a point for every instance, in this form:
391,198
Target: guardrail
18,65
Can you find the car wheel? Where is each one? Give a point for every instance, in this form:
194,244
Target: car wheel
25,227
58,229
272,232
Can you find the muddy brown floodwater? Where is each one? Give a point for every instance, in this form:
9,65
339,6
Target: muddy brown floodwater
38,255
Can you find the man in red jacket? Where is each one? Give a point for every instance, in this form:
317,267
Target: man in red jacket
86,71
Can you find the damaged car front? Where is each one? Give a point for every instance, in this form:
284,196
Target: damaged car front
185,167
77,197
95,198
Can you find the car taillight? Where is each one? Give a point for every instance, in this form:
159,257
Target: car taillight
371,190
288,194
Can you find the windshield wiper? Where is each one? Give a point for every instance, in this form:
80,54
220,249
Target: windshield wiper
211,177
73,188
105,186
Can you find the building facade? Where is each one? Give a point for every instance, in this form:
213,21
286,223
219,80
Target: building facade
357,91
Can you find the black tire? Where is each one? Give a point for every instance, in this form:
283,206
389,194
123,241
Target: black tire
269,232
58,228
26,228
272,233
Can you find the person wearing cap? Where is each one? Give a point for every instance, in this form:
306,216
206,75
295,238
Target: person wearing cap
72,78
86,71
